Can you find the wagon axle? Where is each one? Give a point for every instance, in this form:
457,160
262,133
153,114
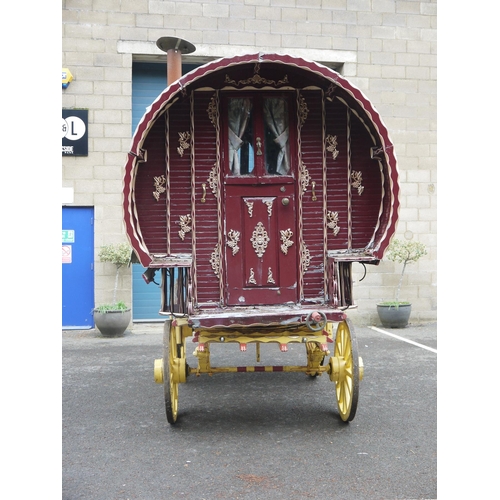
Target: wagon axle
345,368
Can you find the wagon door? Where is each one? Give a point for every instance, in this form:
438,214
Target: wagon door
260,205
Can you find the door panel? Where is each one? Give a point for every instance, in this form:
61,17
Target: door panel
260,207
261,246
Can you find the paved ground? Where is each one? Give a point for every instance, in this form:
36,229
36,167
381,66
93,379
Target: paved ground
248,436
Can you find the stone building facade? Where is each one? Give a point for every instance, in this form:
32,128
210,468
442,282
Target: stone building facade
386,48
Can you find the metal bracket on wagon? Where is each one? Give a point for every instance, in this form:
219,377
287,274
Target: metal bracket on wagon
316,321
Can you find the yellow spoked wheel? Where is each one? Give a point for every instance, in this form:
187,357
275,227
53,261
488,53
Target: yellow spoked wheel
346,370
171,357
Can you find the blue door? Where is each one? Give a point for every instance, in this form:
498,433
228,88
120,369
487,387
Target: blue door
77,267
146,298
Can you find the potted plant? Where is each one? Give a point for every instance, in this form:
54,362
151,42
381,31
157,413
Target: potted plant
396,314
113,319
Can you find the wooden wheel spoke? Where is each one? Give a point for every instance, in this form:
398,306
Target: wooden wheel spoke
348,384
171,352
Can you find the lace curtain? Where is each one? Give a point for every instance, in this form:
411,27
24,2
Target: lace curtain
239,114
276,116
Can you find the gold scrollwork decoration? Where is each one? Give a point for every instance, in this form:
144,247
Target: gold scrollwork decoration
270,278
333,219
234,238
212,179
215,261
356,181
212,111
256,79
286,241
251,279
305,258
269,204
184,222
184,138
304,176
159,184
303,111
249,205
331,141
259,239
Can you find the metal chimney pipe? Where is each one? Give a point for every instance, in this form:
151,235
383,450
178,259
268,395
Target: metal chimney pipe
174,47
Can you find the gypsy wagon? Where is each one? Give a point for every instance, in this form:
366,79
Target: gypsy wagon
252,185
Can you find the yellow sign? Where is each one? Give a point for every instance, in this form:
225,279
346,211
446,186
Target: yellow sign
67,78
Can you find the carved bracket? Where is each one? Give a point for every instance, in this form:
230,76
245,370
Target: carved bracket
269,204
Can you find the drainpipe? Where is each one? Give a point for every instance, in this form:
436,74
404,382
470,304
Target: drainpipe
174,47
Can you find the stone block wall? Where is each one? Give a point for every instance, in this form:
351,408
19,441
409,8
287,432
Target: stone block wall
387,48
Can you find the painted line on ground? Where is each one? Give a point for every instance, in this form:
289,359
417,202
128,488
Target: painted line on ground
403,339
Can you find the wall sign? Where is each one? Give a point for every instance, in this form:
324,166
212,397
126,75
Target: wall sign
75,132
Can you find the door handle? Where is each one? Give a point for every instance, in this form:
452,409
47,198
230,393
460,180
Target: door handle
285,201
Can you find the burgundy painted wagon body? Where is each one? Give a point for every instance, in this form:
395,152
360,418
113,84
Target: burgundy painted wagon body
252,185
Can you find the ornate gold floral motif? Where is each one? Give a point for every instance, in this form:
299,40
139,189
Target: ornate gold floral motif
183,142
304,177
234,238
212,179
269,204
286,240
259,239
159,183
333,219
305,258
215,261
251,279
303,110
212,111
270,278
256,79
332,144
249,205
184,222
357,179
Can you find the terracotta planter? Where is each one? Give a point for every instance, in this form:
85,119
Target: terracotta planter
112,323
392,316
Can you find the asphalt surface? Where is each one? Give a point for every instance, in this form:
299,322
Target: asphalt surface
248,435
